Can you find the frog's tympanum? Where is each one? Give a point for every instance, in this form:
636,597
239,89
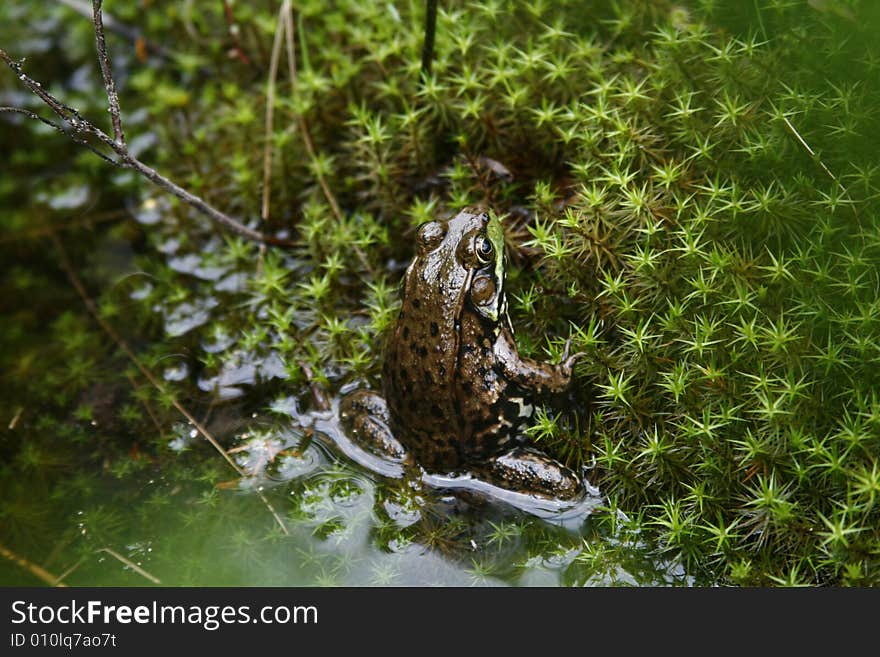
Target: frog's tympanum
456,392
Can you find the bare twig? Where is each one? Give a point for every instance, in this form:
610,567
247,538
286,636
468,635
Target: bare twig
147,406
147,374
67,573
122,344
59,546
35,570
318,395
59,128
109,84
82,128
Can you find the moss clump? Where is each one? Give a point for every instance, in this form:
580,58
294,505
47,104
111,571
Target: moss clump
723,283
688,189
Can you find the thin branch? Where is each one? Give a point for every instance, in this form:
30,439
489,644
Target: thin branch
81,128
122,344
191,199
232,26
104,61
318,395
147,374
37,117
57,549
59,128
35,570
67,573
146,405
81,222
67,114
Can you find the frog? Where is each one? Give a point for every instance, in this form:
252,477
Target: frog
456,394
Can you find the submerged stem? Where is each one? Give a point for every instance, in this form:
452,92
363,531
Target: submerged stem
147,374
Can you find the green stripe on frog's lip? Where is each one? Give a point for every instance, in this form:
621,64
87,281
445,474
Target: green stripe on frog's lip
495,233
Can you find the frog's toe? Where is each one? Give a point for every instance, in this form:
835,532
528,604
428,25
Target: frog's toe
364,417
530,472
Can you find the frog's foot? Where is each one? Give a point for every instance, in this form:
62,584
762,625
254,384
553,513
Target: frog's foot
365,420
530,472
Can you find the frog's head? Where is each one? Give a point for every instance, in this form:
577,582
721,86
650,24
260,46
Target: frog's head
483,250
462,260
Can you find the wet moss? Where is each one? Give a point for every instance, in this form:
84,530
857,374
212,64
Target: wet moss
688,191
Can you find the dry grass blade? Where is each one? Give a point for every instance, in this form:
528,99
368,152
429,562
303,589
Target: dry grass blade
147,374
306,134
301,120
15,418
809,150
270,108
35,570
128,562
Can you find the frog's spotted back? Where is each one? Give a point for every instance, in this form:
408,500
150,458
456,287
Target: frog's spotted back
422,352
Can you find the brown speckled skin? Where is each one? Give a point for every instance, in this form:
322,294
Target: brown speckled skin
421,355
450,371
456,390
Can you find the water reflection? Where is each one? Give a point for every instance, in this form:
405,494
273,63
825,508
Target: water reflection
351,526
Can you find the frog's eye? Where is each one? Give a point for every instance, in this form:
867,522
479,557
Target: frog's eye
484,250
430,235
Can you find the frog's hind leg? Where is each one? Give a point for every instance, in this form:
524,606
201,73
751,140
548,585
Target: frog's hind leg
528,471
364,416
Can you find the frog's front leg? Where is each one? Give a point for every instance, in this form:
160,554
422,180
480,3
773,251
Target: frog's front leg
366,420
530,472
530,374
